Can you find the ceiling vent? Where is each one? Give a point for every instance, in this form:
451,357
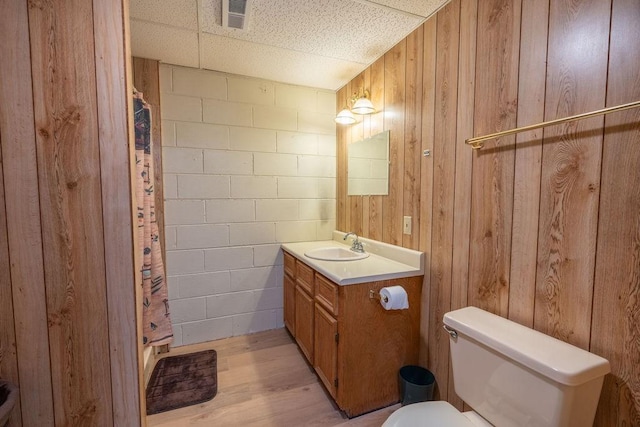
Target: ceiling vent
235,14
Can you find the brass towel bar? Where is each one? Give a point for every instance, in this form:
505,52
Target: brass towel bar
476,143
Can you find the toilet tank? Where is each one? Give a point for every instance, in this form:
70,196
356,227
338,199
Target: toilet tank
515,376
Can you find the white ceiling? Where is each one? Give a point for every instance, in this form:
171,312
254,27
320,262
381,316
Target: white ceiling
316,43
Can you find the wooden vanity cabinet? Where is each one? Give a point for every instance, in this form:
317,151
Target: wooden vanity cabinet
289,285
355,346
304,314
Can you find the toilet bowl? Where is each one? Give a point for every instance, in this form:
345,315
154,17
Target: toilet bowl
511,375
434,414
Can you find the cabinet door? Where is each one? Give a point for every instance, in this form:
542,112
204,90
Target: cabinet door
326,349
304,322
290,304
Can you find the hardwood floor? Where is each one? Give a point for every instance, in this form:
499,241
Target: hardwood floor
264,380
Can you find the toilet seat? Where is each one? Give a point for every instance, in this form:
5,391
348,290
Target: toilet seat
428,414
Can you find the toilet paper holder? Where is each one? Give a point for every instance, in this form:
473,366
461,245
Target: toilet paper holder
376,295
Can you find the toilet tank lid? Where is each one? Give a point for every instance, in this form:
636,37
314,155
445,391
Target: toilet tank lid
555,359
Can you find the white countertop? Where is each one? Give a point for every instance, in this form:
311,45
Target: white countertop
372,269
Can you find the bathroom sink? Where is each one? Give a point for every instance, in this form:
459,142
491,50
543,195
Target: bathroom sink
335,254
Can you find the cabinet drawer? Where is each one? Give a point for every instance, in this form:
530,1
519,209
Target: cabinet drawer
327,294
304,277
289,265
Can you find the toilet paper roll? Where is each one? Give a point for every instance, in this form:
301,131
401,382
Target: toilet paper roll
394,298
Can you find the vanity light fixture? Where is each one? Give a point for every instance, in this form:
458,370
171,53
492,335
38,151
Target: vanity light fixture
360,104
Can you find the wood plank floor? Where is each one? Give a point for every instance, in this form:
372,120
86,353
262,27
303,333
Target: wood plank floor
264,380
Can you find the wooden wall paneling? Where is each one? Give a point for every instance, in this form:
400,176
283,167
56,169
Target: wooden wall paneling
444,151
528,161
394,99
493,168
377,89
413,136
347,141
463,165
615,330
8,356
114,118
341,163
146,79
366,211
64,83
426,178
576,82
357,134
23,217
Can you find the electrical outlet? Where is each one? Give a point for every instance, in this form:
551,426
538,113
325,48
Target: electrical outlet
406,228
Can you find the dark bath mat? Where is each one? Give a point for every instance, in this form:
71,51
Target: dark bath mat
185,380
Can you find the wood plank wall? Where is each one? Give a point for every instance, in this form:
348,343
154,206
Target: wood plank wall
68,335
542,227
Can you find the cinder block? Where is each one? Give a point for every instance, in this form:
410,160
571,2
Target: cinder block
230,304
202,135
221,162
316,122
182,160
295,97
317,209
250,187
276,210
188,310
166,76
297,188
253,278
226,113
256,140
252,233
184,212
170,186
254,322
275,164
203,187
326,102
275,118
222,211
267,255
185,262
200,285
251,91
201,83
202,236
224,259
295,231
297,143
182,108
168,133
326,188
320,166
327,145
206,330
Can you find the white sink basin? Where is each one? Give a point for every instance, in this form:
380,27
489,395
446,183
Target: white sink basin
335,254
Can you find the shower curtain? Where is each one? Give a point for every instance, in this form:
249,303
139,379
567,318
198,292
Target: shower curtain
156,320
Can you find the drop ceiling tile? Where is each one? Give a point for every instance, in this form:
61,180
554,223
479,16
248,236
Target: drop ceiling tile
167,44
348,30
424,8
177,13
266,62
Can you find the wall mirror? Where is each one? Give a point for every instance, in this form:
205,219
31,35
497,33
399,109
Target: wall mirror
368,166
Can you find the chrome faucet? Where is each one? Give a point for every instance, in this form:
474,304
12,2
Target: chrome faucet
356,246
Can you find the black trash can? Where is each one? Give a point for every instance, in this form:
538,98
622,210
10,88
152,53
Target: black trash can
416,384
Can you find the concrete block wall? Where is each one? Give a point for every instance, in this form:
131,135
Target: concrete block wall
248,164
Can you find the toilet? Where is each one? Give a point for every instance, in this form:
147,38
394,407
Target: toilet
511,375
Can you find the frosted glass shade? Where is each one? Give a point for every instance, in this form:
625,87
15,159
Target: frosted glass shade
345,117
363,106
